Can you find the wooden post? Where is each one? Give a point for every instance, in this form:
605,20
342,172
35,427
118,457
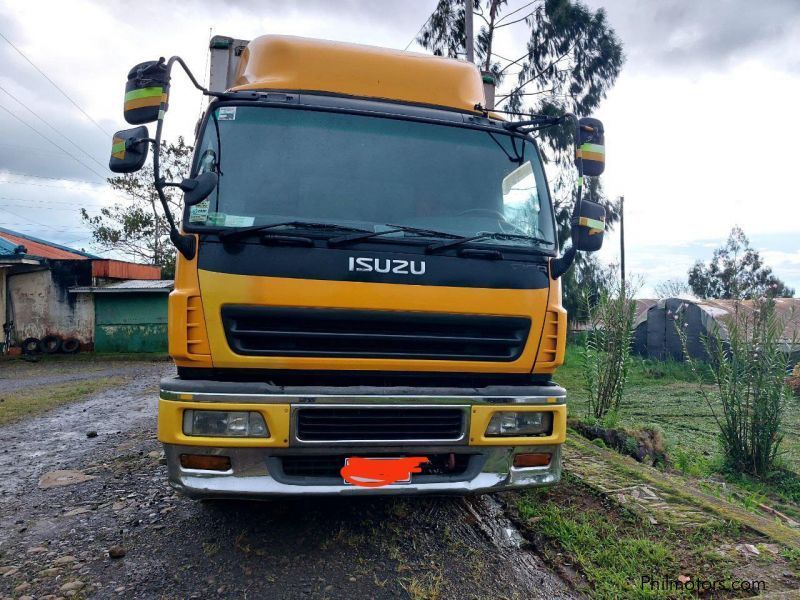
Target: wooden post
468,31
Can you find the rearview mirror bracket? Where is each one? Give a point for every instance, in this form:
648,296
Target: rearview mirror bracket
147,100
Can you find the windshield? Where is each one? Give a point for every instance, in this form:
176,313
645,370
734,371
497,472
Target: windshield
281,165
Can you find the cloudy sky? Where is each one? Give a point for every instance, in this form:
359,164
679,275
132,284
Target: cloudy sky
701,127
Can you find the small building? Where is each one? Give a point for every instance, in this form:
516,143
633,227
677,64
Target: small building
656,335
129,316
35,281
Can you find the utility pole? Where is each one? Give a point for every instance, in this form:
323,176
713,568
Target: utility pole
622,238
468,31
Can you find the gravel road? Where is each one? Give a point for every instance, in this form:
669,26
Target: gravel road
56,542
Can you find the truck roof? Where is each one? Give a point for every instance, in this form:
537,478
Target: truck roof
288,63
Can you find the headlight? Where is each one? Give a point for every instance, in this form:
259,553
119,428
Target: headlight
526,423
223,423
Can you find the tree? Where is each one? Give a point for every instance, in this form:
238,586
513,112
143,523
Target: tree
571,59
736,271
138,229
672,288
572,56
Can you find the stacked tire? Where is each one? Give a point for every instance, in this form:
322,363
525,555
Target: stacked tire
50,344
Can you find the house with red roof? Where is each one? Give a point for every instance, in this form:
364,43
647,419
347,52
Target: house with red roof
36,279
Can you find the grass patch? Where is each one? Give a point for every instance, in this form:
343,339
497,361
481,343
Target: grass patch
614,549
26,402
86,357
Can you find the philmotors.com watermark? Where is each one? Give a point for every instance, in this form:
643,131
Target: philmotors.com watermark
698,584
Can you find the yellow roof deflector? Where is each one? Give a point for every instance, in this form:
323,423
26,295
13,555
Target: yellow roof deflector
289,63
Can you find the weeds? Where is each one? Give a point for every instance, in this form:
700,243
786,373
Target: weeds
607,348
748,362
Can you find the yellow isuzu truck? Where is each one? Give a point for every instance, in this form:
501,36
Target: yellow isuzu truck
367,295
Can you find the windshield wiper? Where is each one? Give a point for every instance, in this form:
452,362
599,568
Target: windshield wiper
241,232
486,235
357,237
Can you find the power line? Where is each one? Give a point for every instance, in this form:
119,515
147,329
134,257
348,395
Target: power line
94,183
72,156
43,120
55,85
428,20
62,229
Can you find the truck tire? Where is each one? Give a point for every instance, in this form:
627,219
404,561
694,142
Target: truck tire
31,345
70,346
51,344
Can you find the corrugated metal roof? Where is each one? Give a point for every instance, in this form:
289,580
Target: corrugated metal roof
133,285
42,248
118,269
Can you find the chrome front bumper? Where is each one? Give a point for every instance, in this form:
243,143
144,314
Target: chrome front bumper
256,472
250,474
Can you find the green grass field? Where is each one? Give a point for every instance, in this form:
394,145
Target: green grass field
666,394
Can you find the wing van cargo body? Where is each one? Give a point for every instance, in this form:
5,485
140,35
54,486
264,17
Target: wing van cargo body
367,295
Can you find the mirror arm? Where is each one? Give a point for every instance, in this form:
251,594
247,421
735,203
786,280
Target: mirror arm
560,265
179,60
184,243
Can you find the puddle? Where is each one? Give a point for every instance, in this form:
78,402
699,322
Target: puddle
526,565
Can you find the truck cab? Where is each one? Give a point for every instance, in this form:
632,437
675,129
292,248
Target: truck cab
371,303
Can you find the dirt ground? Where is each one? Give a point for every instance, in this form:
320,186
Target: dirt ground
55,542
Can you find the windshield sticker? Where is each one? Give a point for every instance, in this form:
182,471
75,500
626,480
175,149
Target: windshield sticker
199,212
215,219
237,221
226,113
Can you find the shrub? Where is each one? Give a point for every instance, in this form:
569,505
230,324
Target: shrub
607,348
748,365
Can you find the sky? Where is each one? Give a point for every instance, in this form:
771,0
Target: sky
701,126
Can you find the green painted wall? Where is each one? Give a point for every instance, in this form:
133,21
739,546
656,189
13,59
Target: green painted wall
130,322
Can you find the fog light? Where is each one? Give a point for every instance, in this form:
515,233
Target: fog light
538,459
223,423
206,462
528,423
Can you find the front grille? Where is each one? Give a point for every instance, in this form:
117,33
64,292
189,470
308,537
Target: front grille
330,465
280,331
379,424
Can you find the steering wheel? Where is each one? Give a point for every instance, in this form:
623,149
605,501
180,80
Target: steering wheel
483,211
500,218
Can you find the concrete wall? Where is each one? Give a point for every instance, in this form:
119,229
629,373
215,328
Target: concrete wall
42,304
131,322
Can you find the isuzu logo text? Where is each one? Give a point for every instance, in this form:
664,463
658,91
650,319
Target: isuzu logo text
385,265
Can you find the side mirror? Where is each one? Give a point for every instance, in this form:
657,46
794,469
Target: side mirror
591,146
197,189
588,232
129,150
146,89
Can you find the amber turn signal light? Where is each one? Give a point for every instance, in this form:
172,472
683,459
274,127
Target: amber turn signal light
206,462
538,459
